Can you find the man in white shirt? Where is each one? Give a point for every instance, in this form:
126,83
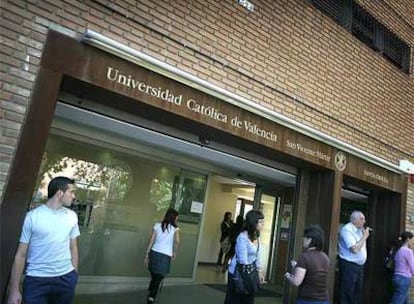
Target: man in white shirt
48,246
352,252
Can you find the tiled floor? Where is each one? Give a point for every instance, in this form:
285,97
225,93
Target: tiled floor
209,273
176,294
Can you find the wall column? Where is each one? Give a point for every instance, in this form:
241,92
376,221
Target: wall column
25,168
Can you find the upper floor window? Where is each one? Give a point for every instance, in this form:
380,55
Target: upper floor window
369,30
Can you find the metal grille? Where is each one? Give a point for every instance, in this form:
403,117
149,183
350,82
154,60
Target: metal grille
363,25
395,49
350,15
333,8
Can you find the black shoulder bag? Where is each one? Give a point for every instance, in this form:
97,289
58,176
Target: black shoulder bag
245,278
389,260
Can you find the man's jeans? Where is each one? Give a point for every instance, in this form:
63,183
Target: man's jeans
401,286
50,290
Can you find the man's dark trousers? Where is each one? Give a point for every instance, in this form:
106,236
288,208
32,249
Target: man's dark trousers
351,282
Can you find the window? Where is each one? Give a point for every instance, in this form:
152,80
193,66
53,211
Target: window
363,25
366,28
119,197
396,50
332,8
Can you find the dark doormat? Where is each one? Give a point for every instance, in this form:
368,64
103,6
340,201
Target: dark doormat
263,293
138,297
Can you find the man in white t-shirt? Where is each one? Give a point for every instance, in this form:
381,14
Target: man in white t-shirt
49,250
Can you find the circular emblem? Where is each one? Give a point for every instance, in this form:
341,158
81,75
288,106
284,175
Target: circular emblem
340,161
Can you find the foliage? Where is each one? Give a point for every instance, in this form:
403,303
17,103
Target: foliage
111,176
161,194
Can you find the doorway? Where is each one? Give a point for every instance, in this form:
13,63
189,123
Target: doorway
126,176
382,210
238,197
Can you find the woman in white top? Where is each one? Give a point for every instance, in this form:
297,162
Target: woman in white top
162,248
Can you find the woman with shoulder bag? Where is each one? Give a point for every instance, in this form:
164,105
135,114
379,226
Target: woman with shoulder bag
245,275
162,248
403,268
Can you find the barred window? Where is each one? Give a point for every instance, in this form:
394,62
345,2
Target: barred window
363,25
332,8
353,17
396,50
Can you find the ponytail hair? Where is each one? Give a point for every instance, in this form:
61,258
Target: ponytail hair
404,237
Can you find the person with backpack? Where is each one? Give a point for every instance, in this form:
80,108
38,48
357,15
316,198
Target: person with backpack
403,268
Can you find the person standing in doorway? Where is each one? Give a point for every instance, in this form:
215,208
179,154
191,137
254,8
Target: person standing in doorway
352,252
237,228
403,268
162,248
247,255
312,268
235,231
48,247
225,243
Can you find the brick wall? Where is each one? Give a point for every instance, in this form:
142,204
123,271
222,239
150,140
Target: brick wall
286,55
409,224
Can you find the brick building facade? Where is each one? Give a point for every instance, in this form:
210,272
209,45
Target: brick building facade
286,55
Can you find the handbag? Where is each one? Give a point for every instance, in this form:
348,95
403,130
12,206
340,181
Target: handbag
389,260
245,280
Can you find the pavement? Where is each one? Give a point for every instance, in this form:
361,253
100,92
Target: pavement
178,294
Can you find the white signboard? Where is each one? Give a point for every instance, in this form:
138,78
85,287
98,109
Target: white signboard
196,207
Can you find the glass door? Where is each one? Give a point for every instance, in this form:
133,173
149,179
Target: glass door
268,203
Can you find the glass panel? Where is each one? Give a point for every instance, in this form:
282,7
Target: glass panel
238,208
247,208
119,198
189,202
267,206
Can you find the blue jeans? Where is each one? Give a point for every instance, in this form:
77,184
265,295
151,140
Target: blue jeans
50,290
401,286
311,302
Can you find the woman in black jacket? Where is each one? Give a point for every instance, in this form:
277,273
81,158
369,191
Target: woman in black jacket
235,231
225,242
